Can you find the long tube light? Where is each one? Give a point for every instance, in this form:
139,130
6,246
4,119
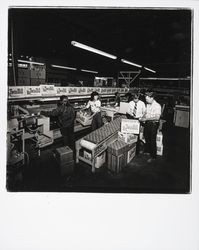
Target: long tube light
153,71
91,49
131,63
26,61
89,71
62,67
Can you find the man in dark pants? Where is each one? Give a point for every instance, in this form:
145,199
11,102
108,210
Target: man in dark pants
151,119
66,116
136,110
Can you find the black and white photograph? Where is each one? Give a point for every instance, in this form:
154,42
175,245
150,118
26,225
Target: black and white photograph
99,125
99,100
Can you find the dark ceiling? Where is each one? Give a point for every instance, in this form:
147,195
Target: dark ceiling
158,39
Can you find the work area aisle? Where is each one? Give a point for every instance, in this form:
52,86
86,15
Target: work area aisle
168,174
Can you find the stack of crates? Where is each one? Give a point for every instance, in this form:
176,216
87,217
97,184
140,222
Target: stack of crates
64,158
119,155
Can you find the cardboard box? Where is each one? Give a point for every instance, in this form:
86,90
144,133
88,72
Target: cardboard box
100,160
63,155
67,168
72,90
103,90
160,150
48,90
127,138
181,117
131,154
23,81
16,92
109,90
159,139
89,90
119,154
116,163
130,126
123,107
38,72
37,81
85,120
87,155
23,73
114,90
82,90
33,91
142,137
61,91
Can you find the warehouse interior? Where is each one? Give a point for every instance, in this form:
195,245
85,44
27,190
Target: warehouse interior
52,52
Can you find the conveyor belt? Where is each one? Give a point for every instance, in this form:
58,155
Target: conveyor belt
104,132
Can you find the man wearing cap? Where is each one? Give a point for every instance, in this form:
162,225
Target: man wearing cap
151,119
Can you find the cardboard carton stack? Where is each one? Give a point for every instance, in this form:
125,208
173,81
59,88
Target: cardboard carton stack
159,143
123,150
119,155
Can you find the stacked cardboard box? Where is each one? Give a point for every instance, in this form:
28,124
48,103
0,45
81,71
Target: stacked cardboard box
119,154
159,143
128,138
64,157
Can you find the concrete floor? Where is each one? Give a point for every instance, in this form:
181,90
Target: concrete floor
170,173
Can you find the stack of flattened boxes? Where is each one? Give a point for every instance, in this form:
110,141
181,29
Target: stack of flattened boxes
120,154
37,75
23,76
64,158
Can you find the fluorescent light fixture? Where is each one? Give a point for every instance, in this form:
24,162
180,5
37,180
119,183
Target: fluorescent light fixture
62,67
91,49
89,71
153,71
30,62
131,63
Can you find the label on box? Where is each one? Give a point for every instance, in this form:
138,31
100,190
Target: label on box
16,91
128,138
109,90
72,90
47,90
90,90
130,126
103,90
61,91
131,154
33,91
98,90
87,155
81,90
159,138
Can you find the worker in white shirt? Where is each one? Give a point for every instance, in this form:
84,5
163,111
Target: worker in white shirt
136,108
151,119
95,105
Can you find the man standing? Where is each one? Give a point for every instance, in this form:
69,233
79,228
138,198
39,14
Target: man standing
151,119
66,116
136,108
